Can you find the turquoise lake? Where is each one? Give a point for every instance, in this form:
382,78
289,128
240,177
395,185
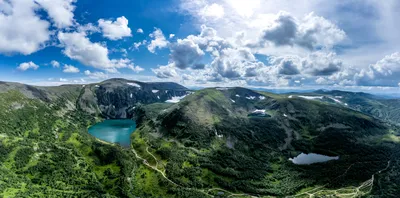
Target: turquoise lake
114,131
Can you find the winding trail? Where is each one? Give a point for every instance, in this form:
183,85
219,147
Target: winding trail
203,191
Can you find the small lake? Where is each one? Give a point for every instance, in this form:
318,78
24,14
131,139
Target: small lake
305,159
114,131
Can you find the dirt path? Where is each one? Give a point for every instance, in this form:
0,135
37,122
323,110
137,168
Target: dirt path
203,191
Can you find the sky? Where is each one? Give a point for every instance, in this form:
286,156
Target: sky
286,44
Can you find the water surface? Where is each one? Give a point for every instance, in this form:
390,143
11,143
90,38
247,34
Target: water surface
114,131
311,158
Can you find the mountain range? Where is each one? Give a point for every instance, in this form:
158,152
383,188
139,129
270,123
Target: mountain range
214,142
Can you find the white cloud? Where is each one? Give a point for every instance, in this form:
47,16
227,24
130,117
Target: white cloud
310,32
214,11
140,31
321,64
115,30
60,11
55,64
63,80
171,36
385,72
138,44
21,29
78,47
158,41
165,72
27,65
95,75
88,28
135,68
185,53
70,69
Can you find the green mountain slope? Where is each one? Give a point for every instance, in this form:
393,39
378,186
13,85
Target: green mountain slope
216,142
46,151
210,140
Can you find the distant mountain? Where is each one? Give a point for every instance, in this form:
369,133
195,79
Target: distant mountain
381,107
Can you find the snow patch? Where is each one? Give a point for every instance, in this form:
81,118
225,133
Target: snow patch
155,91
290,96
251,97
336,100
222,88
233,101
176,99
97,86
339,97
312,97
237,95
134,85
261,97
131,95
158,97
284,115
261,111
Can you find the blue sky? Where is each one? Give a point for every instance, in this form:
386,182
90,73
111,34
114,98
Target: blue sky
258,43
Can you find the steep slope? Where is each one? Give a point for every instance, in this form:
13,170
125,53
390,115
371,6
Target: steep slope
116,98
241,140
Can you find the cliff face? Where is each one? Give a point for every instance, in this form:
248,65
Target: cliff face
117,98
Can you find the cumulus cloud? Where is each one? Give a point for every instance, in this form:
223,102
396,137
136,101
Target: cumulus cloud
78,47
115,30
63,80
282,31
135,68
55,64
60,11
95,75
21,29
214,11
136,45
286,65
385,72
27,65
140,31
70,69
158,41
321,64
311,32
165,72
88,28
171,36
185,53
